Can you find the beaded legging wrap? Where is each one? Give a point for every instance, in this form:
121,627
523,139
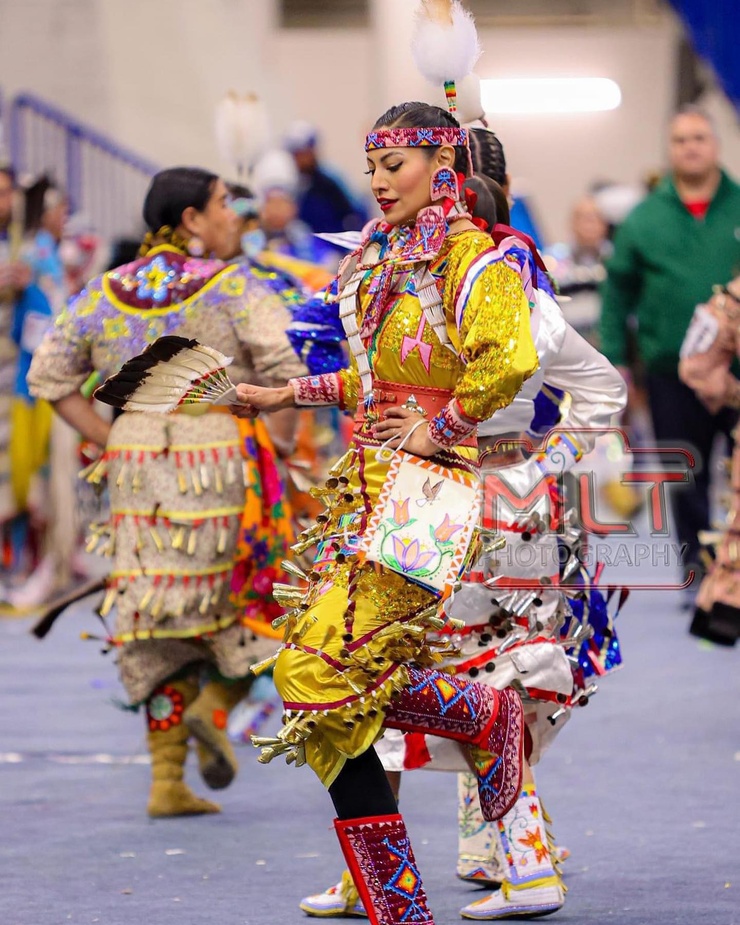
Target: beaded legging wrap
488,721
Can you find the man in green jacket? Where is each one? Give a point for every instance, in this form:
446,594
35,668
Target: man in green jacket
669,252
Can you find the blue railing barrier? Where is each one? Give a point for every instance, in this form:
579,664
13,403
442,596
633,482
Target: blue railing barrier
104,180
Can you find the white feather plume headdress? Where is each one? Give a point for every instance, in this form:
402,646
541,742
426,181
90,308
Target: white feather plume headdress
469,102
242,130
445,44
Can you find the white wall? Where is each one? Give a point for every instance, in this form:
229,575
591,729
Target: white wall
555,157
49,47
151,71
331,90
170,61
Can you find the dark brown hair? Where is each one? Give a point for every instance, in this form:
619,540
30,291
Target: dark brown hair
422,115
174,190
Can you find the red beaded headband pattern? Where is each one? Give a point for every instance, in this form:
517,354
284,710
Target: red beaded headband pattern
416,138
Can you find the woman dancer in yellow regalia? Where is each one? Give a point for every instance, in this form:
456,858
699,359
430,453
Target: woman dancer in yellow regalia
439,330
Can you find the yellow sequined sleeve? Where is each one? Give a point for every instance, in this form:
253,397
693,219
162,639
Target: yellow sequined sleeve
487,316
485,301
496,341
350,380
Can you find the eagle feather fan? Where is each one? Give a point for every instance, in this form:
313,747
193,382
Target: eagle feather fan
172,373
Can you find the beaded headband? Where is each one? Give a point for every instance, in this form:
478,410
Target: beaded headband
417,138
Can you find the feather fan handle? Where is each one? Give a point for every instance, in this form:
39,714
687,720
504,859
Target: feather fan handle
444,45
172,373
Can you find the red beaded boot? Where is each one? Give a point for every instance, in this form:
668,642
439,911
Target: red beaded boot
489,721
380,858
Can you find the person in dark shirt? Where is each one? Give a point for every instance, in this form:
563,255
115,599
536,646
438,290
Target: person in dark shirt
324,203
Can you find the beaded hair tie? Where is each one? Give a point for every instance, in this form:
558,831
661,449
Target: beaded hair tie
163,235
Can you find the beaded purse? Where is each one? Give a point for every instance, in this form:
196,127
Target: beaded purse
423,522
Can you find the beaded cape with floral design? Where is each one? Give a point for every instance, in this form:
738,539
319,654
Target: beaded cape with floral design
165,277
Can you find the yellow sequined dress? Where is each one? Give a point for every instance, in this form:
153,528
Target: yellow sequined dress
356,626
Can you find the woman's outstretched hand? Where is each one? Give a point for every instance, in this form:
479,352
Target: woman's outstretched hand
253,399
396,424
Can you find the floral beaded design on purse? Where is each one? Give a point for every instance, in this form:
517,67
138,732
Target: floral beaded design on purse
423,522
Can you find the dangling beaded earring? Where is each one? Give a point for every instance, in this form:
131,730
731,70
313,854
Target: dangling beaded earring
196,248
444,185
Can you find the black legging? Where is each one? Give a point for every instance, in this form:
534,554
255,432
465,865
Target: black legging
680,420
362,789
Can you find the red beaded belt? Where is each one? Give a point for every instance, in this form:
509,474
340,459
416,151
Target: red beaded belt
425,400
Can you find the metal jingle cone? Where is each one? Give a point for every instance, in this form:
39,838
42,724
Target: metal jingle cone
295,570
554,717
523,605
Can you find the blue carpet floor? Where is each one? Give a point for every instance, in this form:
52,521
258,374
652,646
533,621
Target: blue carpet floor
643,786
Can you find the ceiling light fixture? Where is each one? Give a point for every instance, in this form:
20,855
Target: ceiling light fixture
518,95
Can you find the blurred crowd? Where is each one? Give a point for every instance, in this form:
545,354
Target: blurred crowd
46,256
637,262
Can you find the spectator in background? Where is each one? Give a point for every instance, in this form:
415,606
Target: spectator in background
45,295
286,275
578,267
711,347
14,273
43,508
83,253
14,277
243,201
324,203
683,238
276,182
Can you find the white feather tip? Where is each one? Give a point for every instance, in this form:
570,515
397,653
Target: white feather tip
219,359
469,103
444,45
242,129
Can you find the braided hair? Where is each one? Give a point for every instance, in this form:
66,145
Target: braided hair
501,211
488,155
